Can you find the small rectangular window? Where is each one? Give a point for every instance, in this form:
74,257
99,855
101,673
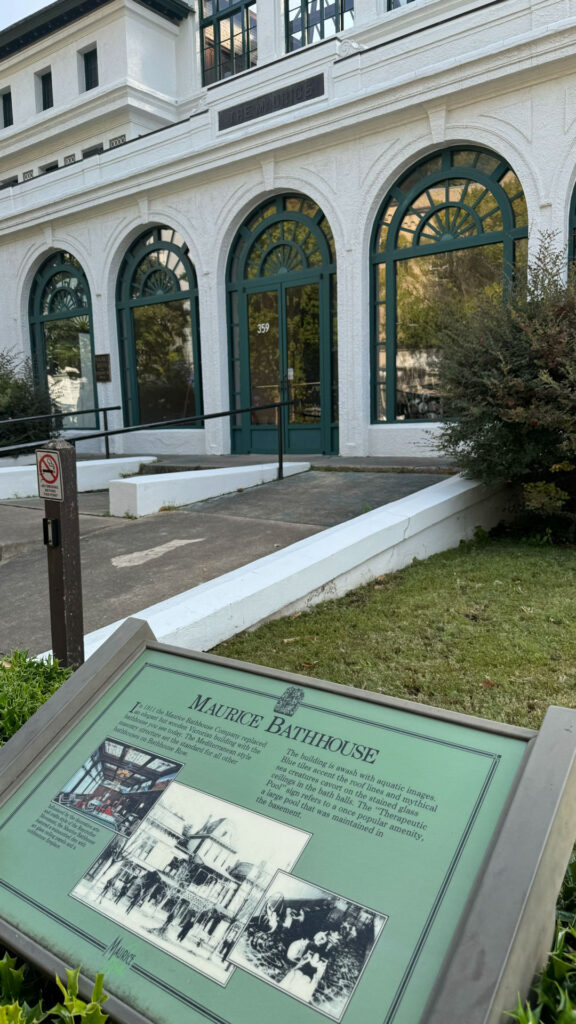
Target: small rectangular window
44,95
48,168
90,58
9,182
93,150
7,114
310,21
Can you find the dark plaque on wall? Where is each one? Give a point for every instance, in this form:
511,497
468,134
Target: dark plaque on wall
102,368
298,92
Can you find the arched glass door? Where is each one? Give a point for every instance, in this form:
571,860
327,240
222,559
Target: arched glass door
282,315
61,335
157,304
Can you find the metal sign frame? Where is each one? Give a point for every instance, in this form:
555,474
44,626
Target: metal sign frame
505,928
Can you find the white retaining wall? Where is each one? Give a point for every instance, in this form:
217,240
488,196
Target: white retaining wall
95,475
324,566
145,495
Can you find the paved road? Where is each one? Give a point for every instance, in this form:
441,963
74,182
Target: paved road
130,564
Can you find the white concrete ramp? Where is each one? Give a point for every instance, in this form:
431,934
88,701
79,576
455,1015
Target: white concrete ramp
323,566
145,495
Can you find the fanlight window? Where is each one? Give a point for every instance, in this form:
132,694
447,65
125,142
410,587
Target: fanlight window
157,299
61,336
448,235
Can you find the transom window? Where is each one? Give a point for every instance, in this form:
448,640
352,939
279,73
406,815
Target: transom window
309,21
228,38
448,235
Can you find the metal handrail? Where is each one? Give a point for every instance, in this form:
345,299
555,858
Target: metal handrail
105,409
32,445
58,415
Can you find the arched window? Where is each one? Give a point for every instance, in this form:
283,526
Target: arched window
449,232
61,336
282,317
157,303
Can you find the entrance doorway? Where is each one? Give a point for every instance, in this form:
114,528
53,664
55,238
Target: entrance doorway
283,339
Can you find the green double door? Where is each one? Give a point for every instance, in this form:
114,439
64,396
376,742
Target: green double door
287,352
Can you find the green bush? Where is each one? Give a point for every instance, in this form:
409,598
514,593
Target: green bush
19,396
24,686
509,376
18,985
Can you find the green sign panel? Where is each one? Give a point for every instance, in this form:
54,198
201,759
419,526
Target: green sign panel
216,840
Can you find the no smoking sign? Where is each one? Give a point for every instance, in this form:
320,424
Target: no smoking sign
49,475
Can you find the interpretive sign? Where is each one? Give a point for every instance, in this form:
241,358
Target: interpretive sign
229,843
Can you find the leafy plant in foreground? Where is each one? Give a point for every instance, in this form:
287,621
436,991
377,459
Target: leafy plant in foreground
553,999
24,686
16,987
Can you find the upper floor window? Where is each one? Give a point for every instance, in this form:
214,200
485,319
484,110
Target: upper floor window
228,38
7,115
90,62
93,150
309,21
44,94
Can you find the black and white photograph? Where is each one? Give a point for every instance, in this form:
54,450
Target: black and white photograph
309,942
118,785
191,876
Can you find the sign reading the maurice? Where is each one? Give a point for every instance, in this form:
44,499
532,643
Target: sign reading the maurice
270,102
226,844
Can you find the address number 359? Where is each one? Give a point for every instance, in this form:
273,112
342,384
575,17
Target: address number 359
263,328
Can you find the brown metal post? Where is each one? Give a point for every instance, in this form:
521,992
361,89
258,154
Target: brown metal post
62,539
106,439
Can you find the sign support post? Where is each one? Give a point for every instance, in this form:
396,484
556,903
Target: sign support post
56,465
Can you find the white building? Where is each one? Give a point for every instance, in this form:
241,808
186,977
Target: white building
226,195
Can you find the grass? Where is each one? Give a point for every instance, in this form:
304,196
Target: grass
487,629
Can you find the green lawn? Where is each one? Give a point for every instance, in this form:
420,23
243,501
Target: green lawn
487,629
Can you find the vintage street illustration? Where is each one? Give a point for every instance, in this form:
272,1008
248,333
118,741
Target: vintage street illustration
190,877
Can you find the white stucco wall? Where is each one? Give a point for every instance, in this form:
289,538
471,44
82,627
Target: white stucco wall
401,85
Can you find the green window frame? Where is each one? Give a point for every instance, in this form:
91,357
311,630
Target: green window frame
47,95
90,61
228,38
284,245
7,110
157,298
572,231
310,21
455,222
62,344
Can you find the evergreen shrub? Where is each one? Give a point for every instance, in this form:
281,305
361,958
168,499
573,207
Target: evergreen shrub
20,396
508,374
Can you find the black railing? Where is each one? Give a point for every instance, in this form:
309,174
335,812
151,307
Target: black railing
32,445
57,416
